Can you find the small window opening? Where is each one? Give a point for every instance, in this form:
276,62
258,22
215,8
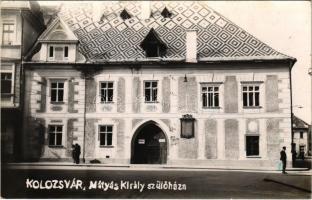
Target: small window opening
125,15
51,51
166,13
153,45
66,52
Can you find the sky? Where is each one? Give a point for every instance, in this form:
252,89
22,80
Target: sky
283,25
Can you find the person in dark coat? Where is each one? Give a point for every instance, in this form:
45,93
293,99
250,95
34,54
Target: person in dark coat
73,153
77,153
284,159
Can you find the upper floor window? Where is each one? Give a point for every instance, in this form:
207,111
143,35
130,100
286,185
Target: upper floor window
150,91
6,83
210,96
153,45
301,135
106,92
8,33
57,91
58,53
106,135
251,96
125,15
55,135
165,13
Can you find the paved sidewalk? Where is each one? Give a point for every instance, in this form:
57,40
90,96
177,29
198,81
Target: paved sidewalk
68,165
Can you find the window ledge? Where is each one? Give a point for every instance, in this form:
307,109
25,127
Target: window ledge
109,102
252,107
104,146
151,102
57,103
10,45
253,156
7,94
57,146
212,108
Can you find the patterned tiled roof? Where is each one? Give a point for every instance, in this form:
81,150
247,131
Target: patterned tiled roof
116,39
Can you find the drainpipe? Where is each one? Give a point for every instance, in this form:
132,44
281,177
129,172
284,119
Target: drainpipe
84,119
291,64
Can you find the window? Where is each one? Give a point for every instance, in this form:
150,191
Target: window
165,13
210,96
106,92
106,135
125,15
301,135
55,135
8,34
187,126
57,91
251,95
252,145
153,45
6,83
150,89
58,52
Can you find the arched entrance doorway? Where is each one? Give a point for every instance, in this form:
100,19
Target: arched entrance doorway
149,145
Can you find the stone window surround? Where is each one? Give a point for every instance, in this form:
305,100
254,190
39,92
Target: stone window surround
105,122
12,71
56,133
261,94
106,140
220,92
63,123
259,143
65,97
100,91
157,88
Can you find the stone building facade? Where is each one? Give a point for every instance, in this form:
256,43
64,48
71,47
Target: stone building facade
180,84
21,24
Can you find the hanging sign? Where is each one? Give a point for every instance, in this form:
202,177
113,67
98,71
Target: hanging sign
141,141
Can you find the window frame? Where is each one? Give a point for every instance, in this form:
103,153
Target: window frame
301,135
252,84
56,134
53,46
57,101
152,100
12,71
246,147
213,86
9,32
106,100
105,145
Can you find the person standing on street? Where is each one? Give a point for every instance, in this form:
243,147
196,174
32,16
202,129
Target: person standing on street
73,153
284,159
77,153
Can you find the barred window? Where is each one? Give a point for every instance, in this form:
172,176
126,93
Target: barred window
251,96
106,135
210,96
55,135
252,145
150,89
106,92
57,91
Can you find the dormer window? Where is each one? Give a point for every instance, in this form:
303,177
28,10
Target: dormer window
165,13
153,45
125,15
58,53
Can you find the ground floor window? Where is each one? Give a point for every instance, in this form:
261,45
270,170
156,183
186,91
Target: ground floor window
252,145
55,135
106,135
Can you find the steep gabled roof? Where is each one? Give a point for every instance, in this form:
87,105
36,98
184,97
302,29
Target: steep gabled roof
58,31
117,39
299,123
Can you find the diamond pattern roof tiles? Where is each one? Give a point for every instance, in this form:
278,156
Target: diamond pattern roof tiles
114,38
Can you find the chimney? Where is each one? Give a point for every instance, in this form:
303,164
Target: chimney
97,11
191,46
145,9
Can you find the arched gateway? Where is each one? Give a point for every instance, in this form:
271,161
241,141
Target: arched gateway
149,145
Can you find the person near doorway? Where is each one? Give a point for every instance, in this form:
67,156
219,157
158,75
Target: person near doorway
77,153
284,159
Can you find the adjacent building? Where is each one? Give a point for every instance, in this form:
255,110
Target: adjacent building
155,83
21,24
301,137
